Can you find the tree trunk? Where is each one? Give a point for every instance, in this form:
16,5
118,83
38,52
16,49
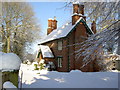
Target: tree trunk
4,48
8,44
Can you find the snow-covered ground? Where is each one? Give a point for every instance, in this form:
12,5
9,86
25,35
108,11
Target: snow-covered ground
8,84
74,79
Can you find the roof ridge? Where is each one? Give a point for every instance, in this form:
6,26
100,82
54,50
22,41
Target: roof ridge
63,31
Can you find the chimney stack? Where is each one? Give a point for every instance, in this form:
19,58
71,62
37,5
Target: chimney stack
81,7
76,8
49,30
52,24
78,11
93,26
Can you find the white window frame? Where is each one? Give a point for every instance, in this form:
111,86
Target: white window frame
59,62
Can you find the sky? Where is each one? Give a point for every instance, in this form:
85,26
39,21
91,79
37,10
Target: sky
45,10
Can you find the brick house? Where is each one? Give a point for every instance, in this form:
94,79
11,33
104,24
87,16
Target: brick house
55,46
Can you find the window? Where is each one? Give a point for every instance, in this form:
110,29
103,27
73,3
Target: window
38,55
59,61
59,45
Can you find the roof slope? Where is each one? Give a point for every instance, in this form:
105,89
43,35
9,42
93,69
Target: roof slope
64,31
46,52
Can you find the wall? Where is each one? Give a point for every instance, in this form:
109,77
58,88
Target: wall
64,53
77,36
10,76
70,61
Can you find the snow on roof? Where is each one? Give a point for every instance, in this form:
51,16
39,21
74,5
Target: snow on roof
46,52
76,2
9,61
50,19
60,32
77,14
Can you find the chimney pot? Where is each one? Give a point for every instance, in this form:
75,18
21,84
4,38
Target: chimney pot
76,8
81,9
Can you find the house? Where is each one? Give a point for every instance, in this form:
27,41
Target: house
58,46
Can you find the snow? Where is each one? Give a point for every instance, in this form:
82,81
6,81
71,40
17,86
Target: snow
76,2
60,32
50,19
34,63
8,84
1,44
46,52
113,56
73,79
78,14
42,61
94,46
9,61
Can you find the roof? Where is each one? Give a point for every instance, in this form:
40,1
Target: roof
64,31
46,52
9,62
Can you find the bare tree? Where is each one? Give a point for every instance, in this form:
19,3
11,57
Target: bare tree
106,15
95,45
18,26
103,13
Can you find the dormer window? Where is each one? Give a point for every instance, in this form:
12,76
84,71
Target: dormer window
60,45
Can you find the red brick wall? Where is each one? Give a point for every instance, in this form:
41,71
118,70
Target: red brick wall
71,50
64,53
80,32
70,62
77,36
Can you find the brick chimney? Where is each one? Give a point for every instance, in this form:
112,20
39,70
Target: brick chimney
78,11
52,24
49,30
75,8
93,26
81,7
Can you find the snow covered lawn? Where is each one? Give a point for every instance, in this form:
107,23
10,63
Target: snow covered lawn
74,79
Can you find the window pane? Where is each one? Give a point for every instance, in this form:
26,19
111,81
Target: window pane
59,45
59,60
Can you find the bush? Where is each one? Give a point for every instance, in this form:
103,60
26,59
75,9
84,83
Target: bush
36,68
41,66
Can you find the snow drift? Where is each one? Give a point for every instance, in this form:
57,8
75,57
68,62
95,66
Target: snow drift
9,61
74,79
8,84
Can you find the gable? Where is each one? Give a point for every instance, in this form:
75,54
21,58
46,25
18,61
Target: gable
64,31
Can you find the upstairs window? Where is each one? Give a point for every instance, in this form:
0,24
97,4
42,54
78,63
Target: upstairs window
59,61
59,45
